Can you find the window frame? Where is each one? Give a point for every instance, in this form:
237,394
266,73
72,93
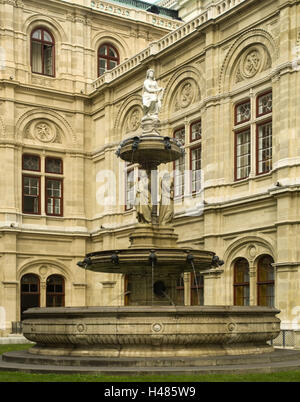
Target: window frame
54,294
42,41
106,57
260,283
39,196
259,95
31,170
178,196
60,198
258,124
240,284
54,158
191,125
236,123
191,149
236,133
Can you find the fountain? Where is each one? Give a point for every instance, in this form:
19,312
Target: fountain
152,325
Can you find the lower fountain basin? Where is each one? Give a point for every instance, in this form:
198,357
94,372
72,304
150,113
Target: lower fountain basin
164,331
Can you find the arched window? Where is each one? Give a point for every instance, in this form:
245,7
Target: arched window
108,58
241,282
55,291
30,292
265,281
42,52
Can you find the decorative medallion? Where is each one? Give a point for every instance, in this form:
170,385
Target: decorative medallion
43,132
134,119
231,326
157,327
43,270
185,95
81,328
253,61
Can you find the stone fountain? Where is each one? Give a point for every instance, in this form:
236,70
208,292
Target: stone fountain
152,324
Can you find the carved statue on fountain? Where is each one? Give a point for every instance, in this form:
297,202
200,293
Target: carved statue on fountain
152,96
166,206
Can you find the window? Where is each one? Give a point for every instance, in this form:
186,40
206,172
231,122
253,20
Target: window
54,197
53,165
42,52
265,281
242,112
195,160
242,154
241,282
264,147
179,166
30,292
108,58
34,185
31,162
31,195
197,289
264,104
196,131
247,124
55,291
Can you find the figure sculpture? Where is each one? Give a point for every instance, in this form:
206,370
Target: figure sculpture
166,206
143,200
152,95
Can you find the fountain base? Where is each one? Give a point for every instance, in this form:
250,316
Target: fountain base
164,331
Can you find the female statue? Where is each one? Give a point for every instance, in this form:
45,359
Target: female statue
152,95
166,206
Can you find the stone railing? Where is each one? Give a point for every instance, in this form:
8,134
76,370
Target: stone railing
136,14
211,13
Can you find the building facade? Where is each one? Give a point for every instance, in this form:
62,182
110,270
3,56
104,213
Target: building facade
71,84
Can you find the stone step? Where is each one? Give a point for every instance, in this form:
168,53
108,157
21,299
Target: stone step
283,361
234,369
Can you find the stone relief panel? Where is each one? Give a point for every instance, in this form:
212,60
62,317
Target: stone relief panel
43,130
253,61
133,120
185,95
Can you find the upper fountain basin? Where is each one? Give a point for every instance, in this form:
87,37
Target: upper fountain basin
150,150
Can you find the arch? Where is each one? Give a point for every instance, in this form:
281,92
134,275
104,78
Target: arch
249,247
108,57
132,102
252,37
44,268
116,41
185,73
41,20
59,129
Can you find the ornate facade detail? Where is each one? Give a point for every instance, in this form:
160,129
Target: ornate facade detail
134,119
185,95
253,61
43,131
